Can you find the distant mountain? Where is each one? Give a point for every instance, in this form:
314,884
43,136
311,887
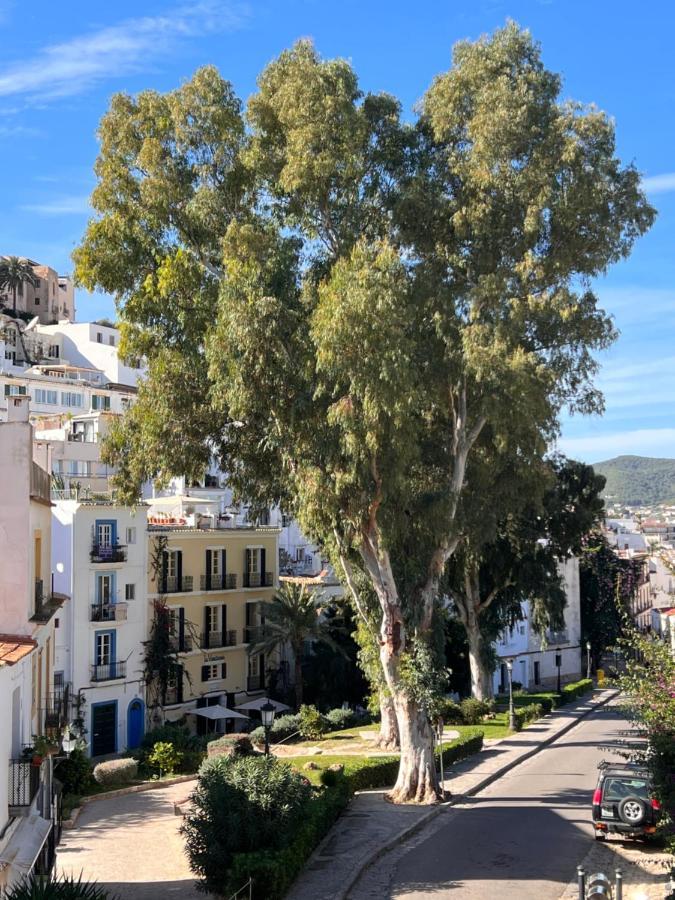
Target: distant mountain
638,480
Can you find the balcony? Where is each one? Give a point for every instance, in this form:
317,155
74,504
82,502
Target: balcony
56,712
45,606
258,579
253,634
254,683
174,694
24,781
181,644
108,612
554,638
108,553
172,584
225,582
109,671
40,484
213,639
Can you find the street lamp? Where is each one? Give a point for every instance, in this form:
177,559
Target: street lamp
588,659
68,742
512,716
267,712
558,663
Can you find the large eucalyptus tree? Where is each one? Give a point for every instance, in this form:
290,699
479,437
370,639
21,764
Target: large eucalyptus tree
365,297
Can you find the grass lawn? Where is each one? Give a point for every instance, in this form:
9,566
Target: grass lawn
493,728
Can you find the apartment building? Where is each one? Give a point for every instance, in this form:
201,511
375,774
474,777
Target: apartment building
213,580
31,703
538,660
99,557
50,299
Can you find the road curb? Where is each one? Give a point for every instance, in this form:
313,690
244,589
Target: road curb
409,830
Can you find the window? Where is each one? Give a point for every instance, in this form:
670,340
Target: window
172,563
213,619
15,390
129,591
131,535
253,560
54,352
99,401
104,588
214,671
103,648
111,340
44,396
104,532
79,467
36,301
69,398
254,665
285,520
99,337
537,673
215,562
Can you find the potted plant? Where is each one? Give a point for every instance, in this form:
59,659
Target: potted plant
43,746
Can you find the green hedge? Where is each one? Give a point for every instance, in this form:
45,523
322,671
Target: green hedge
273,872
525,714
576,689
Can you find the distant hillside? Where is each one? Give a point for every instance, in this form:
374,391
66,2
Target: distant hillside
638,480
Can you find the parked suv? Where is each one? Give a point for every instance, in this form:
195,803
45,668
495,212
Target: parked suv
623,802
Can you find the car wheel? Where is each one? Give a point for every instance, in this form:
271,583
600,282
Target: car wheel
632,811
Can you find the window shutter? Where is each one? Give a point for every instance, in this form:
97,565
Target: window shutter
181,628
223,670
207,625
223,622
165,571
208,570
247,566
179,570
262,568
223,568
205,673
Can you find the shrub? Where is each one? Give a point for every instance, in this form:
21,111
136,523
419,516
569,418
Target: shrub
329,777
473,710
178,735
49,887
245,804
165,756
576,689
283,728
451,712
524,714
312,723
116,771
230,745
341,718
74,773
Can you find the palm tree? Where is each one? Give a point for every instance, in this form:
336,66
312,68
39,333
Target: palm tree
293,617
14,272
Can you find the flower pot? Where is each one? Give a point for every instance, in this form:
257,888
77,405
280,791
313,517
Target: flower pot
37,760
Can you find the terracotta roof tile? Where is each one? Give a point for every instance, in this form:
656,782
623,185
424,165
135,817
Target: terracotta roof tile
13,647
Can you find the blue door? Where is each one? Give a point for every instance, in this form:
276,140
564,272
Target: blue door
135,724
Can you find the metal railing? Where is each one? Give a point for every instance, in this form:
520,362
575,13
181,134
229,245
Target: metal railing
181,645
174,585
56,711
253,634
109,671
108,612
105,553
40,483
24,781
225,582
211,639
258,579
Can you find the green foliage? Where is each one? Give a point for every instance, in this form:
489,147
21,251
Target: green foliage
75,773
165,757
52,887
524,714
423,676
230,745
240,805
474,710
116,772
451,712
575,690
15,271
330,673
638,480
282,728
179,735
339,719
311,723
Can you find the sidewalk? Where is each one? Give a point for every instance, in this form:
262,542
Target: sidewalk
371,826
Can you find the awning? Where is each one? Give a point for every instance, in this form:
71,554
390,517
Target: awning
26,842
217,712
261,701
179,500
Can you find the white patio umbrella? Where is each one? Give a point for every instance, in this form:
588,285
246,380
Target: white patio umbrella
261,701
179,500
216,712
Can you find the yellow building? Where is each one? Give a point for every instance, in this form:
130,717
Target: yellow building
214,581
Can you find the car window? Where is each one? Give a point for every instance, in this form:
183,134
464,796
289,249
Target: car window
618,788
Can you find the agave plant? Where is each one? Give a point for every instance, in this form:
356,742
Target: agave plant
48,887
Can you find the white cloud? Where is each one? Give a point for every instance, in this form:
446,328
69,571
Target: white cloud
60,206
18,131
659,184
640,442
73,66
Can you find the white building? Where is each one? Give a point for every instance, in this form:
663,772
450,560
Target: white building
51,298
536,667
30,705
99,559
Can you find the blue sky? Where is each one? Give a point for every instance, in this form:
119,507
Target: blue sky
61,63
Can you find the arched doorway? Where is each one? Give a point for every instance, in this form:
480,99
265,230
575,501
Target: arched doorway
135,723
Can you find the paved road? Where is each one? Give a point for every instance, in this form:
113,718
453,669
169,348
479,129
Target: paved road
521,838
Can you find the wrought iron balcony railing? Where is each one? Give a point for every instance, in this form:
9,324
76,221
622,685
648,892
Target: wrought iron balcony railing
212,639
258,579
109,671
24,781
108,612
225,582
172,584
107,553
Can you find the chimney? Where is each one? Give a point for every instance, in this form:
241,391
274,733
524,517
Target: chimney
17,408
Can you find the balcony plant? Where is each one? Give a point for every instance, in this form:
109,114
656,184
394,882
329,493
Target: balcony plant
43,746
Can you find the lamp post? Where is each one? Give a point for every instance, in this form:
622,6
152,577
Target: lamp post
558,663
512,717
267,712
588,659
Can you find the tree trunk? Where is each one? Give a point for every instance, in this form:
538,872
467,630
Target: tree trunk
298,679
388,737
481,678
14,299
